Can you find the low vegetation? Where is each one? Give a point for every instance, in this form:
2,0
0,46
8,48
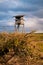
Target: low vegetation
26,45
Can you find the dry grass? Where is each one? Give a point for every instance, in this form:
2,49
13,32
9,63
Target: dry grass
27,47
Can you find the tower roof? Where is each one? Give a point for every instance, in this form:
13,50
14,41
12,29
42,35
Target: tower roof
18,16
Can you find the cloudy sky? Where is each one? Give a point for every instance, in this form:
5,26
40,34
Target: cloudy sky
32,9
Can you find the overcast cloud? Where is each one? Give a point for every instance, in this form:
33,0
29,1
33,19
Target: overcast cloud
32,9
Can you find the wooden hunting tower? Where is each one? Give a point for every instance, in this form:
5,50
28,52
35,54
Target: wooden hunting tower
19,21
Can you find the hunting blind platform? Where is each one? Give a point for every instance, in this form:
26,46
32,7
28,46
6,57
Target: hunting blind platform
19,21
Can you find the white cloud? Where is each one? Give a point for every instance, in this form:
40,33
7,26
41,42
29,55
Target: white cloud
30,22
10,23
34,24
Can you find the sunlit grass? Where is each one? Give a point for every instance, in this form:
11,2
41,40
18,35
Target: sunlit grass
25,42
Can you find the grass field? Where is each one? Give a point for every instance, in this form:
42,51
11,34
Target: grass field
27,47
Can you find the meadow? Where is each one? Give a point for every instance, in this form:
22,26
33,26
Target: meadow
27,48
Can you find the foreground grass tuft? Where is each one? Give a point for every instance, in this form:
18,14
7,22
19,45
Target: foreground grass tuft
26,45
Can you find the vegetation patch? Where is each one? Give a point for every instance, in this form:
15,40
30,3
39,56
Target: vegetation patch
25,45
